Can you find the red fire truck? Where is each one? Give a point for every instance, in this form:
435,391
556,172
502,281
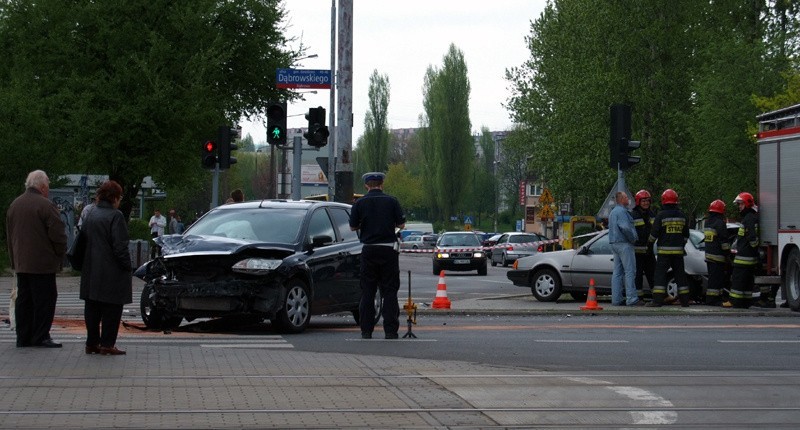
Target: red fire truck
779,199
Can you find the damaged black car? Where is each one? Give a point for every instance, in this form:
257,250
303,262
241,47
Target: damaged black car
272,259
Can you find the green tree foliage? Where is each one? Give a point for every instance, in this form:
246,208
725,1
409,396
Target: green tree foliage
130,88
375,149
687,68
407,188
484,190
449,145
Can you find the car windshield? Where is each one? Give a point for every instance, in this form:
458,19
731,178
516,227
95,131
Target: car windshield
256,224
467,239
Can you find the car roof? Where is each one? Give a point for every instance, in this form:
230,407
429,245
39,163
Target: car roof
280,204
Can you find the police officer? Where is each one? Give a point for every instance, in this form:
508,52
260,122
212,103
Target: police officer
671,230
645,259
718,249
747,259
375,216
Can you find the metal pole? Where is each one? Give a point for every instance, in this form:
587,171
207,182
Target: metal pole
215,187
344,79
297,154
331,173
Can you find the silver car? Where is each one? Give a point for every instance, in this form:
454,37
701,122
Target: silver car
550,274
511,246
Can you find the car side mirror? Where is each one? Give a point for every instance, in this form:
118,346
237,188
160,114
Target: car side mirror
323,240
583,250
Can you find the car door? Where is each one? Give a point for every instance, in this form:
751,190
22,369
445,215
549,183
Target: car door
497,251
348,284
324,260
595,261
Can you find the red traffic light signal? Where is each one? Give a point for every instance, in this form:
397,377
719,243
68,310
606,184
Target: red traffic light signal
209,154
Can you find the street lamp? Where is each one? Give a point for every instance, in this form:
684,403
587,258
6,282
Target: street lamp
306,58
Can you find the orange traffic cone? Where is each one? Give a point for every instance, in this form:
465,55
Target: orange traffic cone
441,301
591,299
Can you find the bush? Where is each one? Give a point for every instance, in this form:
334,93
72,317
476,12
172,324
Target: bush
138,229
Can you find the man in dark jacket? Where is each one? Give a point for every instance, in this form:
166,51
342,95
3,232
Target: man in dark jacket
645,259
37,242
718,250
747,258
671,230
375,216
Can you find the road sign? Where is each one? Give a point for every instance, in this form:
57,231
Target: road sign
546,198
301,78
467,220
546,212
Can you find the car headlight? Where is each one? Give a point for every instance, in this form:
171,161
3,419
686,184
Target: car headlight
256,266
442,255
478,255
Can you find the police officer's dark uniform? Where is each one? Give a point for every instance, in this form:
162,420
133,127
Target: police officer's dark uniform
671,230
645,259
718,250
746,260
376,215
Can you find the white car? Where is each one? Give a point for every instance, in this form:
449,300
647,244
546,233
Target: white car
511,246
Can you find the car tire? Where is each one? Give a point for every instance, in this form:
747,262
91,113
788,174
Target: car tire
295,311
546,285
792,279
415,247
153,317
378,309
482,271
494,263
504,260
436,269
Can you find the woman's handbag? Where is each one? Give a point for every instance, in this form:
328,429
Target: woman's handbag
76,251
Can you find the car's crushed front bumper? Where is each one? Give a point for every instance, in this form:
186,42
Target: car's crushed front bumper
233,296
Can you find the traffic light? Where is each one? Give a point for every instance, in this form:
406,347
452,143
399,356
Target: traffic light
626,160
276,123
620,129
227,137
317,134
209,155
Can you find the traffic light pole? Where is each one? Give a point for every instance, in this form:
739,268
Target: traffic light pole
215,188
297,154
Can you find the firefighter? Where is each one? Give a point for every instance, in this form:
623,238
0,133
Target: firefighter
718,250
645,259
671,230
746,260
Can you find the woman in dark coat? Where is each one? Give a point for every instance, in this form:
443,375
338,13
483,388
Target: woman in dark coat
106,283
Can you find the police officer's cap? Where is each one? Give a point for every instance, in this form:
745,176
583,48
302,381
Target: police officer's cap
373,176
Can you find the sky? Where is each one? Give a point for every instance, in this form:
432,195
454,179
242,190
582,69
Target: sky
401,39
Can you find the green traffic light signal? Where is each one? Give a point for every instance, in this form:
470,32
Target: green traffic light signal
276,133
276,123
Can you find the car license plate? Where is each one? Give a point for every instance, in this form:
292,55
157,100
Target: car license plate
461,261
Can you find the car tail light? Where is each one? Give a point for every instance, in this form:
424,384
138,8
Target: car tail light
540,248
509,248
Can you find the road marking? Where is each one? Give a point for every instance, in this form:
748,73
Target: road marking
246,345
645,417
578,341
758,341
389,340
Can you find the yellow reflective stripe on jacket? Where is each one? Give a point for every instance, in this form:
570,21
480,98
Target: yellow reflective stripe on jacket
745,261
715,258
638,222
670,250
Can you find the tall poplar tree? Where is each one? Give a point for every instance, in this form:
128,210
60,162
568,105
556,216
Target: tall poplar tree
376,139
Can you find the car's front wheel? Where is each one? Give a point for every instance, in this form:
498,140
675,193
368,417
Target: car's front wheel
436,269
546,285
152,316
295,311
482,270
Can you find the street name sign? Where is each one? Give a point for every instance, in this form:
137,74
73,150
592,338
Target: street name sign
302,78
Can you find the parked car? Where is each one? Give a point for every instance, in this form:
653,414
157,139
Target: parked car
511,246
489,242
417,241
460,251
282,260
550,274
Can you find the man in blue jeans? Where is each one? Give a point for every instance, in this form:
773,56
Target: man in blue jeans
622,235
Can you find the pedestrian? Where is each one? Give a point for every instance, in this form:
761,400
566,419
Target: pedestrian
746,260
718,250
37,243
180,226
157,224
237,196
173,222
85,212
106,283
645,259
622,236
671,231
376,216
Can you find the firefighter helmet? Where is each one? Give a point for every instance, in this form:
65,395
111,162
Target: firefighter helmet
717,206
669,197
745,198
642,194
